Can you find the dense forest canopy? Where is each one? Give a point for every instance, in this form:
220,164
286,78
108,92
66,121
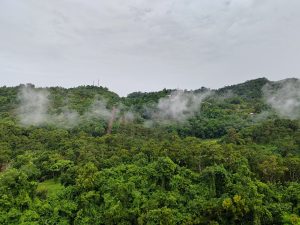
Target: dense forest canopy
85,155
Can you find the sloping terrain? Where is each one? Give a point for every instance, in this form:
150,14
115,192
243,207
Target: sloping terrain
85,155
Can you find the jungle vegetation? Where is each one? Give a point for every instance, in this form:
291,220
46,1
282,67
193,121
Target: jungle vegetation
235,160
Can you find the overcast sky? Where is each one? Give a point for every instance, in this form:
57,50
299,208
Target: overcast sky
131,45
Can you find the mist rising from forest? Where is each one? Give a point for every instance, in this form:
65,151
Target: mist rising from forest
284,97
178,106
35,106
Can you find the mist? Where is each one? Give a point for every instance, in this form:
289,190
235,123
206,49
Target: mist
284,97
34,109
177,107
35,106
98,109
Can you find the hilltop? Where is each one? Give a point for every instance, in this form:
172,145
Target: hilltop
85,155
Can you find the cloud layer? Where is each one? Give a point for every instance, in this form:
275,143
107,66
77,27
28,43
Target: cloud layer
35,107
284,97
147,45
179,106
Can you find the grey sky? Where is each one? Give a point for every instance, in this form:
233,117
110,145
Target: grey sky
148,44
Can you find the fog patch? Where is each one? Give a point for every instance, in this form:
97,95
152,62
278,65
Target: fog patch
284,97
176,107
33,107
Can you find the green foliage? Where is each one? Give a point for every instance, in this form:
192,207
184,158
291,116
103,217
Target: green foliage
226,164
51,187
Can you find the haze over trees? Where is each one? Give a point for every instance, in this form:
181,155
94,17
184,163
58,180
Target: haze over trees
226,156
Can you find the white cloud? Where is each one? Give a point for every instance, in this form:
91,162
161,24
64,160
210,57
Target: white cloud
147,44
284,98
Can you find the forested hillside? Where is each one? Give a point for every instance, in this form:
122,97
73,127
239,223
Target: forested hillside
85,155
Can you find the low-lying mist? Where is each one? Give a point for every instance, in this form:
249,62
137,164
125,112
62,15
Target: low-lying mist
284,97
35,104
177,106
34,109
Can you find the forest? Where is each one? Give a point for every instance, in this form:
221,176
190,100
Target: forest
85,155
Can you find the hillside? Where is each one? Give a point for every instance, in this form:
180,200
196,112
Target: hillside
85,155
